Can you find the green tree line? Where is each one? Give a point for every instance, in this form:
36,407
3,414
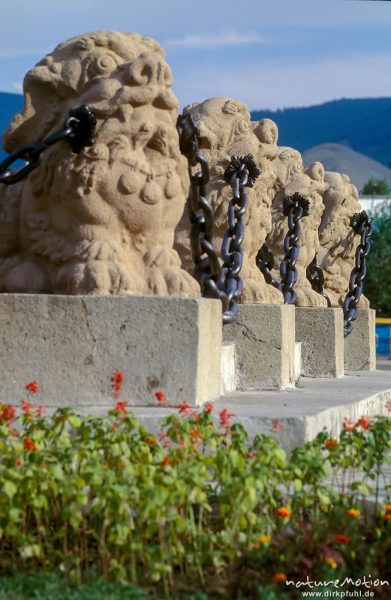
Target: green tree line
377,286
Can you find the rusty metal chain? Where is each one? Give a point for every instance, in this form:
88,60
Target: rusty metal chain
295,208
315,276
223,282
78,129
361,224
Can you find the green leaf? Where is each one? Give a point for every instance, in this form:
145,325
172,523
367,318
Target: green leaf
75,421
297,483
10,489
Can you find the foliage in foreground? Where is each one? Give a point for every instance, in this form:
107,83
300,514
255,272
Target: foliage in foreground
197,507
52,586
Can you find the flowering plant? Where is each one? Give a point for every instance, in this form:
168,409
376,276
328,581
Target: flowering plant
196,505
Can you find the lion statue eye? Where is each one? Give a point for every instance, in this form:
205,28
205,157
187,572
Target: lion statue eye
102,66
242,127
167,75
231,107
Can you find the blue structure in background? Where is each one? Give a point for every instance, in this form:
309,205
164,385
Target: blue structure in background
383,333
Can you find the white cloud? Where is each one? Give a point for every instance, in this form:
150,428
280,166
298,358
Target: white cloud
18,86
216,40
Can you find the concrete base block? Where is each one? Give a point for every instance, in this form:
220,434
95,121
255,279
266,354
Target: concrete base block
228,381
297,368
264,337
72,345
320,331
360,344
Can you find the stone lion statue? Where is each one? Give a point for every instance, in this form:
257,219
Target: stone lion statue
291,179
338,241
101,221
226,130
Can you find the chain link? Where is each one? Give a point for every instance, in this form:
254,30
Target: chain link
316,278
223,282
361,224
295,208
78,129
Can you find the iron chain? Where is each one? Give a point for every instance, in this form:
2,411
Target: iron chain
78,129
361,224
223,282
241,172
315,276
295,208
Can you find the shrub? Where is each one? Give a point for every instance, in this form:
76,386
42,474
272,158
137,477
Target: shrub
197,506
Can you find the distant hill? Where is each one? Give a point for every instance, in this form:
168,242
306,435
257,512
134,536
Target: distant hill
363,125
335,157
10,104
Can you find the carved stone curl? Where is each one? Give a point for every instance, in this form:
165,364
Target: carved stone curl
101,221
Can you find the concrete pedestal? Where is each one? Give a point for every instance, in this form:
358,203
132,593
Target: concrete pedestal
264,337
72,345
320,331
360,344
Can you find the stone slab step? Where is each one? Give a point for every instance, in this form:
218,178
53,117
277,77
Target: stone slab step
314,405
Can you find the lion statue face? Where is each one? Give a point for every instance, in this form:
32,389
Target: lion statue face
103,220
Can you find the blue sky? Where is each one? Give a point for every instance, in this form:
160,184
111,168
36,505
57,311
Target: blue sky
268,53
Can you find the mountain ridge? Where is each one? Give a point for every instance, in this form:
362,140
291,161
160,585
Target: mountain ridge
335,157
362,124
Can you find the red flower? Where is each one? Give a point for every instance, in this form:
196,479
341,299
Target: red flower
27,407
225,416
39,410
341,538
151,441
166,442
284,512
363,422
184,408
116,383
195,436
388,405
32,387
331,444
7,413
279,578
29,445
120,407
166,461
348,424
208,407
276,426
161,398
